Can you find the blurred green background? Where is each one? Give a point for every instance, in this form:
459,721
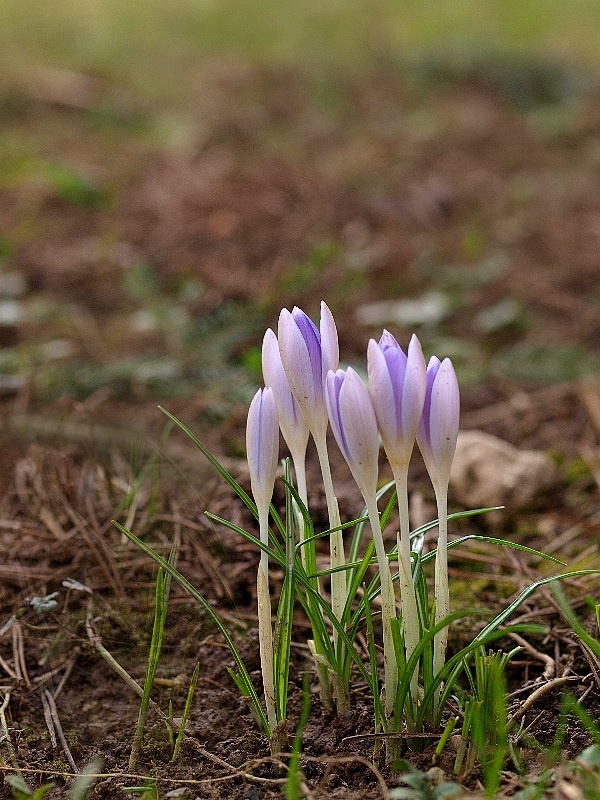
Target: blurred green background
157,48
444,152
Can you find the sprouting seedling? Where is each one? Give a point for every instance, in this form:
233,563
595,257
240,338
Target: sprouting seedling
355,429
397,385
262,446
436,436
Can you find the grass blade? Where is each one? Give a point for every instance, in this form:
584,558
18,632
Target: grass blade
242,678
186,711
163,587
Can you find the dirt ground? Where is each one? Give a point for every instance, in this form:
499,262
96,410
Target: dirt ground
138,266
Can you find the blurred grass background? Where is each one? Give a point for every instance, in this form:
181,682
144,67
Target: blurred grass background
157,48
180,63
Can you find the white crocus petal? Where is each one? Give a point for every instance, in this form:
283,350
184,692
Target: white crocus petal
292,423
354,426
262,446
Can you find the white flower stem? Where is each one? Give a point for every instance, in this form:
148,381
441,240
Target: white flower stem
410,616
300,470
336,541
265,629
442,595
308,559
388,609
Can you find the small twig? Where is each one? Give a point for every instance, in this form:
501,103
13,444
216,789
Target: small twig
540,692
19,656
48,718
9,671
40,680
8,624
392,736
59,730
585,694
549,669
592,661
6,734
95,640
67,672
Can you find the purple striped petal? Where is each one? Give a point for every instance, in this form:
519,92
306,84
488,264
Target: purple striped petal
397,387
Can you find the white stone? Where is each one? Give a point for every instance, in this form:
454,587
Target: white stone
488,471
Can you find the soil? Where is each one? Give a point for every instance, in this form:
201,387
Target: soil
147,272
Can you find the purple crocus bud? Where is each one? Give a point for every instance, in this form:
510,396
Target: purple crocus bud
438,429
307,355
354,426
397,386
262,446
292,424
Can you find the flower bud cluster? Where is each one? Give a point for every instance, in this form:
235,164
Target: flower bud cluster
405,400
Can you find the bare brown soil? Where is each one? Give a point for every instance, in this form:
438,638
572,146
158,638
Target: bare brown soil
281,201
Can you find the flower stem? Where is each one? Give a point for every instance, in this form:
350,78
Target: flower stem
300,470
336,541
309,562
265,629
442,595
388,609
410,616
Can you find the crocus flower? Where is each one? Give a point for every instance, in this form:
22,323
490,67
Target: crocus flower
354,426
307,354
438,430
292,423
437,435
397,386
262,446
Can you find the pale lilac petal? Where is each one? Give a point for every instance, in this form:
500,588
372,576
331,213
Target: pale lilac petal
292,424
444,418
354,426
396,364
397,387
382,394
423,432
360,428
262,445
296,362
413,391
333,385
387,340
312,339
330,352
